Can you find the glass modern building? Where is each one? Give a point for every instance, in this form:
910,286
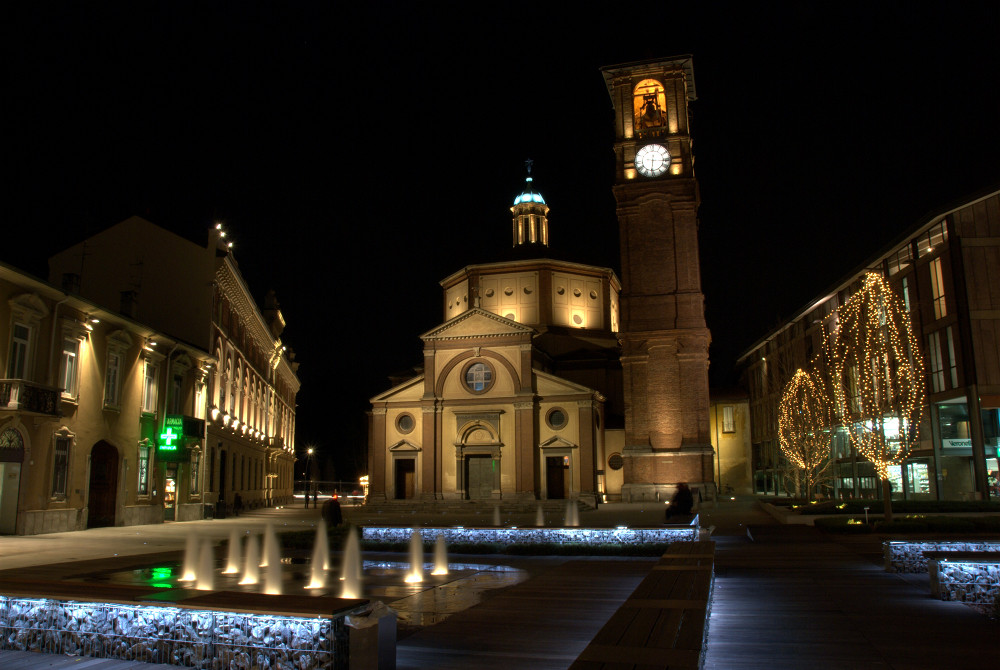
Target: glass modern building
946,270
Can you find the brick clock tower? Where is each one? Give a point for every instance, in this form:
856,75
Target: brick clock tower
663,332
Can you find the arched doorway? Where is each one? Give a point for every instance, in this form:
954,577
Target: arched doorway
103,497
11,457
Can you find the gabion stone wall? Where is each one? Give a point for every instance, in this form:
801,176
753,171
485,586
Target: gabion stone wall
969,582
506,536
903,556
191,638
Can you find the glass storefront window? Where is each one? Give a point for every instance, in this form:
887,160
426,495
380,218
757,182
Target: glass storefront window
869,486
840,446
845,480
993,476
896,481
918,480
957,481
991,440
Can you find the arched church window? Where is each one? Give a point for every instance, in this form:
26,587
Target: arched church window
650,107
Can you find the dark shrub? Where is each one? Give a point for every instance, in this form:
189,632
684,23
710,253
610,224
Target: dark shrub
843,524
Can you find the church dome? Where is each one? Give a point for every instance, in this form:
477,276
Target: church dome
529,194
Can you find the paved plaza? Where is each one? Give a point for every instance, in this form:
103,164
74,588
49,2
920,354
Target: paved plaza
785,596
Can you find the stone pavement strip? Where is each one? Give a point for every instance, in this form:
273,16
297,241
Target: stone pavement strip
541,624
793,598
788,598
27,660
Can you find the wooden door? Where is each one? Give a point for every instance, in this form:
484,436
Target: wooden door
406,478
555,477
479,477
103,485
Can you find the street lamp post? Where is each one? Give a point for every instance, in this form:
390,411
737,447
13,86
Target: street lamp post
309,455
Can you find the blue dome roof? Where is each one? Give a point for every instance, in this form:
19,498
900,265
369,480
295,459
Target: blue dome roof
529,194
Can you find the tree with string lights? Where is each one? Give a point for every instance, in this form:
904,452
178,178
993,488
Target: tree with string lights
877,375
804,418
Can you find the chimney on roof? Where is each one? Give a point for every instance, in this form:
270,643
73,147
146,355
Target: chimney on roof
71,282
129,305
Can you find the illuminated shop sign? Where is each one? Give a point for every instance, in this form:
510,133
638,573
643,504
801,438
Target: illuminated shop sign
178,430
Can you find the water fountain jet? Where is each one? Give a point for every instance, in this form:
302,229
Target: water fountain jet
540,516
351,566
270,540
272,573
440,557
235,547
190,571
206,567
496,515
416,573
251,568
320,559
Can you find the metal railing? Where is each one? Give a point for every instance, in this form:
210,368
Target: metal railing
26,396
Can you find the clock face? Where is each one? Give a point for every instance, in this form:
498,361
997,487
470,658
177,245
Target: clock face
652,160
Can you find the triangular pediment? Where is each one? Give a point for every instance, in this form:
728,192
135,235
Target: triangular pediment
549,385
29,304
477,323
411,389
404,445
557,443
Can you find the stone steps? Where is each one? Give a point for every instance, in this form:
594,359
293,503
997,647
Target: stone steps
481,507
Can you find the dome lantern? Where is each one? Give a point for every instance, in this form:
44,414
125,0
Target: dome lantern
530,223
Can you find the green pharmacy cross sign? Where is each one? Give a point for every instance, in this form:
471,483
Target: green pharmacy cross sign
177,431
166,440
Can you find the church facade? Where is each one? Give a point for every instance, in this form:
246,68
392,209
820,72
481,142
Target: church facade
550,379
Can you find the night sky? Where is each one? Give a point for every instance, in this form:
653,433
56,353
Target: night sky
359,156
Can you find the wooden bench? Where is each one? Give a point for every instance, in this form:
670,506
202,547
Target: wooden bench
662,624
978,558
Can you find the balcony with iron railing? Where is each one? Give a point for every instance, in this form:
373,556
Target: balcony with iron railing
22,395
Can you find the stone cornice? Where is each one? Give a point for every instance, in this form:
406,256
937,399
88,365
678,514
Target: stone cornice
514,329
527,265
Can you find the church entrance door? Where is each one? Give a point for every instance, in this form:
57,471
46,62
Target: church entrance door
479,475
103,485
555,477
406,478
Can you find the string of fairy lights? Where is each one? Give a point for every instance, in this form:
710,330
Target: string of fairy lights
804,418
869,375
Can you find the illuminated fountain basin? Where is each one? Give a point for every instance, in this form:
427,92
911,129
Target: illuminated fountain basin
150,615
422,603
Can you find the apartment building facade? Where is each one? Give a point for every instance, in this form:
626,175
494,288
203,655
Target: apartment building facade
84,396
196,293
